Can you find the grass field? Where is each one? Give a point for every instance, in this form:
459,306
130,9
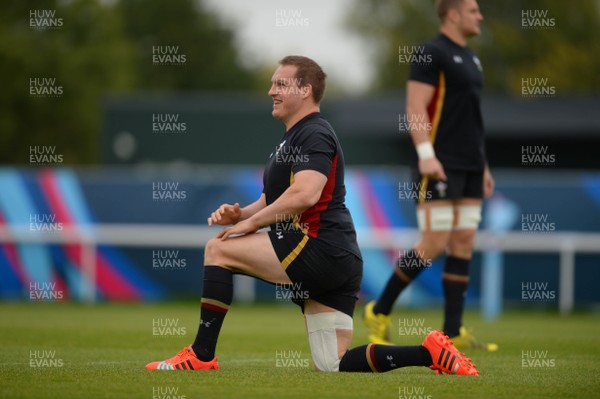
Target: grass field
76,351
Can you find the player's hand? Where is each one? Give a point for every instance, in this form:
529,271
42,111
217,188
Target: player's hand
433,168
226,214
488,183
243,227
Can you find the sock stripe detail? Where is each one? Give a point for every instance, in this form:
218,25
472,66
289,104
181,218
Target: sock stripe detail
215,305
405,279
455,278
371,358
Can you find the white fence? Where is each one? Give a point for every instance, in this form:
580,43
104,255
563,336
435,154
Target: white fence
566,244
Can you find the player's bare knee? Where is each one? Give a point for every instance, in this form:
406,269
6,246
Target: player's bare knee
213,252
437,249
431,246
462,243
463,237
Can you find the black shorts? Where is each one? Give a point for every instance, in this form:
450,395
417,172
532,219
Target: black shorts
318,271
460,184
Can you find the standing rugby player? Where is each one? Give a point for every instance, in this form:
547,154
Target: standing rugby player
451,176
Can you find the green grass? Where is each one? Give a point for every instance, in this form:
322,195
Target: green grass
104,348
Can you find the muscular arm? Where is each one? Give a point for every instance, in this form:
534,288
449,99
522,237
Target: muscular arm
253,208
418,96
301,195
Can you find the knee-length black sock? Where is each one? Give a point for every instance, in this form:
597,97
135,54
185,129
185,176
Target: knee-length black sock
217,295
454,280
380,358
409,267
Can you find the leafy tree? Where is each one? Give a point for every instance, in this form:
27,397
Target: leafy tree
86,56
99,47
565,54
210,58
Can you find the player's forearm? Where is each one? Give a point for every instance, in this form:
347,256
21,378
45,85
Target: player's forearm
250,210
292,202
419,132
418,96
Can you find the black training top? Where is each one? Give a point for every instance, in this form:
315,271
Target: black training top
311,144
455,109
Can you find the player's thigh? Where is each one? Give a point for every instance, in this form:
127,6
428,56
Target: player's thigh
467,206
435,224
467,201
250,254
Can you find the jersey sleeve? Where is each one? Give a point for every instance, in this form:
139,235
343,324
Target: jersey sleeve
429,71
316,149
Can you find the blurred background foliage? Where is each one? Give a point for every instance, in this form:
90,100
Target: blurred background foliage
568,55
105,47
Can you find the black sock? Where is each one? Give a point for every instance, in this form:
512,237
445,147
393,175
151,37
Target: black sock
454,280
409,267
380,358
216,298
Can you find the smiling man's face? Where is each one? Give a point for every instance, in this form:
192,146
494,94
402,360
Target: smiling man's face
286,92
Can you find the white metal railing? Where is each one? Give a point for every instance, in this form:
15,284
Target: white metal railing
566,244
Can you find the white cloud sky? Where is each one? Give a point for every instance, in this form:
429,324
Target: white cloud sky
264,35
